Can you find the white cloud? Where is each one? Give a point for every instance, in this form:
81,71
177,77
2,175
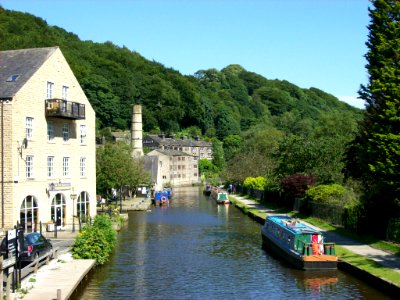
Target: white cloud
353,101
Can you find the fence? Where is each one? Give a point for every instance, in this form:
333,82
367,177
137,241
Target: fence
393,231
12,273
328,212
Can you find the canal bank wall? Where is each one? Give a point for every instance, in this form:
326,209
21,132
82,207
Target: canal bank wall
62,277
254,209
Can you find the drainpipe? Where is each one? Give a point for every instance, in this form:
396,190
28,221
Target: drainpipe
2,100
2,166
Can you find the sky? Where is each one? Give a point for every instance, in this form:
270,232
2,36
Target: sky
310,43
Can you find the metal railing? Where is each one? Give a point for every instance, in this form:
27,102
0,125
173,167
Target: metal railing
64,109
12,272
307,248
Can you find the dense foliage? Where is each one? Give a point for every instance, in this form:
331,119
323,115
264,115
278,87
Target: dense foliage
259,127
255,183
219,103
96,241
115,168
374,156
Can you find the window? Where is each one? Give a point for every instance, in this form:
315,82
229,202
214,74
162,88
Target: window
50,90
65,131
13,78
50,131
82,166
29,166
28,214
65,166
82,207
64,106
65,92
50,166
83,134
28,128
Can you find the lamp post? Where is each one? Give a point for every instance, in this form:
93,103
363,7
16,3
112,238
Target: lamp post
73,197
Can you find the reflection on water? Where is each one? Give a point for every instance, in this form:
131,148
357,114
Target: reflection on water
196,249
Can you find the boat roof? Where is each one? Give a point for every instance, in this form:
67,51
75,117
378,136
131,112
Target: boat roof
293,225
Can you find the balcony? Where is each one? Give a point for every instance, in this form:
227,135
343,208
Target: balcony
59,108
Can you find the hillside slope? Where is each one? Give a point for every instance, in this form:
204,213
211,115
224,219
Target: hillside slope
218,102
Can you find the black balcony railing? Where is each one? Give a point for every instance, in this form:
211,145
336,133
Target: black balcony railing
60,108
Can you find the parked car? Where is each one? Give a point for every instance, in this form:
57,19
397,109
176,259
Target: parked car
35,245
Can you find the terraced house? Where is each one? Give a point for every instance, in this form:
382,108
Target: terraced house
47,142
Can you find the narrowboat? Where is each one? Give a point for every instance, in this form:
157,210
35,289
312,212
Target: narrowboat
207,190
220,196
298,243
169,192
161,198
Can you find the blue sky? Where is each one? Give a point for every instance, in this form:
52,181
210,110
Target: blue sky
311,43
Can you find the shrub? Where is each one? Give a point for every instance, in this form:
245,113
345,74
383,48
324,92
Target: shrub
295,186
96,241
255,183
332,194
325,193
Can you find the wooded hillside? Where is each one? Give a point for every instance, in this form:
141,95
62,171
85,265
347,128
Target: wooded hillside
217,102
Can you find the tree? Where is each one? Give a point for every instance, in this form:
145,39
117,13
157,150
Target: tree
218,154
116,168
374,155
232,145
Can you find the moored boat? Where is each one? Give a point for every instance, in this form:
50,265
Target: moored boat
207,190
168,190
161,198
298,243
220,196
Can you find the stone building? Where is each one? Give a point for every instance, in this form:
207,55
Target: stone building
171,168
196,147
47,142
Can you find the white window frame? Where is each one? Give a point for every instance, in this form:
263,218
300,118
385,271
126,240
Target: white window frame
50,166
50,86
65,92
83,134
65,132
65,166
82,166
29,128
50,131
29,166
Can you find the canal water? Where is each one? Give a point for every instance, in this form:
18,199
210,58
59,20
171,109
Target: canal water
196,249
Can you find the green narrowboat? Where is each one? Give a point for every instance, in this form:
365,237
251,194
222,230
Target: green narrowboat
298,243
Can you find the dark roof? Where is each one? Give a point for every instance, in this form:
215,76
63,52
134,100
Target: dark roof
178,142
25,63
172,152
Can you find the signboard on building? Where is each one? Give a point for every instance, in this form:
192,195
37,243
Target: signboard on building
59,186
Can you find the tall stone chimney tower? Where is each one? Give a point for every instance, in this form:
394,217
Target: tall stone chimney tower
136,131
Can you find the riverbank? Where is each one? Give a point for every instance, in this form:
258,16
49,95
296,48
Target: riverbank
56,280
61,277
379,268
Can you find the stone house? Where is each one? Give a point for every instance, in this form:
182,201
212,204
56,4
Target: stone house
47,142
171,168
196,147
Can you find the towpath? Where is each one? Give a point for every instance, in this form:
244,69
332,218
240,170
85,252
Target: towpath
381,257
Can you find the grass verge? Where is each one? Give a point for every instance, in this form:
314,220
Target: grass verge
359,261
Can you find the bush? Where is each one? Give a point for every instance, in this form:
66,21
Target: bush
353,217
255,183
96,241
332,194
325,193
